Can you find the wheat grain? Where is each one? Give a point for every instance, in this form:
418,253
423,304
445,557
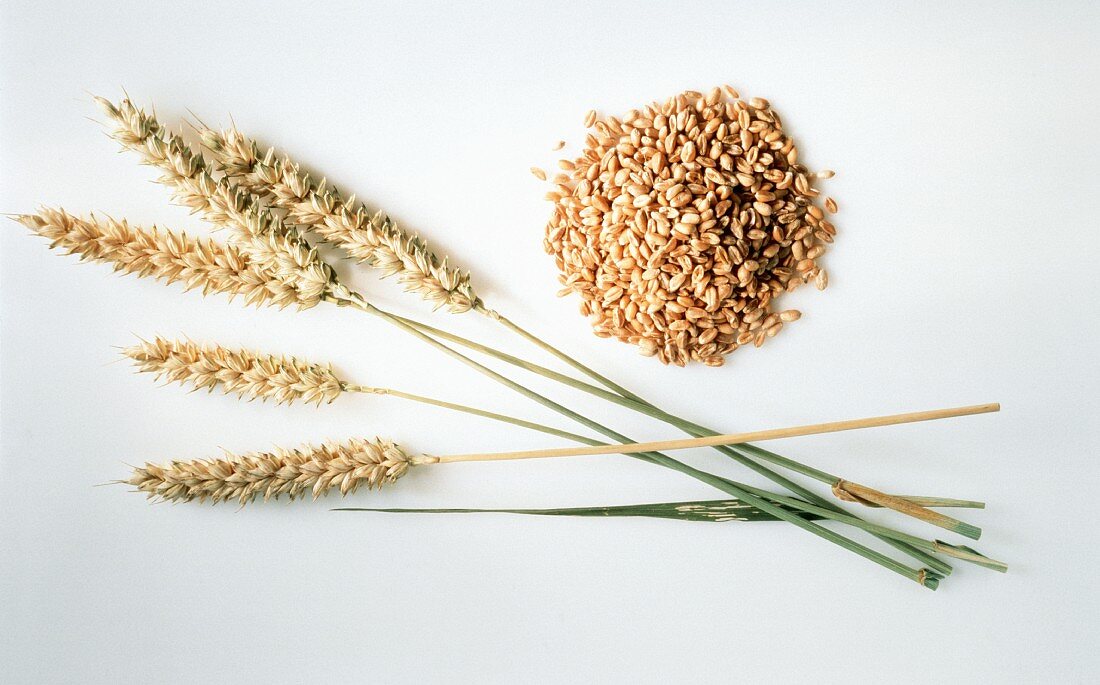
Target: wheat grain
318,207
292,472
679,224
164,255
261,235
240,372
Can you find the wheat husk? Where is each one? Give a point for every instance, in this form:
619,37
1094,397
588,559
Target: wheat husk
263,236
247,374
167,256
318,207
313,470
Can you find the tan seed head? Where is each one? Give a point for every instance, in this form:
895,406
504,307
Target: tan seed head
309,470
239,372
164,255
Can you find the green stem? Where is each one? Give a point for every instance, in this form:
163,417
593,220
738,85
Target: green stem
706,510
547,347
709,510
925,577
942,502
963,553
503,418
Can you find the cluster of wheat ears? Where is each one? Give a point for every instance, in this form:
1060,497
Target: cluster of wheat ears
274,214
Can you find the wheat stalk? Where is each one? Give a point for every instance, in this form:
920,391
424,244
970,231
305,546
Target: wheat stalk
319,207
261,235
238,372
164,255
292,472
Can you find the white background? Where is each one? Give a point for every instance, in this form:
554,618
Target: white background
965,271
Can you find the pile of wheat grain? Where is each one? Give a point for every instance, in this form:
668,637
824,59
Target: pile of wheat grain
680,223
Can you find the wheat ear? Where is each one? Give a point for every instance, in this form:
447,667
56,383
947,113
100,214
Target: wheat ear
261,235
292,472
237,372
319,207
164,255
